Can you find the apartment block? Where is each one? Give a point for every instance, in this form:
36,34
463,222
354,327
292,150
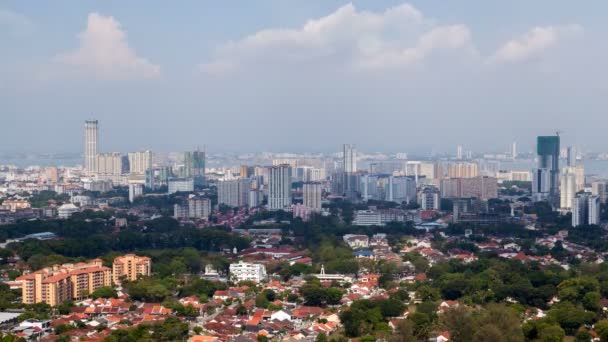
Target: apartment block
59,283
130,267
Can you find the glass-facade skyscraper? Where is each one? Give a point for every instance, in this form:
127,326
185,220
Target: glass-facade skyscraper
194,166
547,148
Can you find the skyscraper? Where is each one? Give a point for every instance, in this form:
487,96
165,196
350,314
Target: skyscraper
91,140
459,152
140,162
567,188
279,187
548,158
312,196
586,209
349,158
514,150
194,166
571,156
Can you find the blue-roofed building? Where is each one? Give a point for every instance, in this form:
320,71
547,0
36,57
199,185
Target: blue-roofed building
364,253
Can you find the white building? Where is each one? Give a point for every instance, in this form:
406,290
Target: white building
135,190
140,162
367,218
567,188
349,155
312,196
599,189
586,210
65,211
247,271
199,207
108,164
234,193
181,185
91,140
429,199
279,187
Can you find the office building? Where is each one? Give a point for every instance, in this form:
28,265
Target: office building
579,171
60,283
243,271
140,162
234,193
586,210
130,267
312,196
548,159
194,166
135,190
91,142
599,189
429,198
181,185
279,187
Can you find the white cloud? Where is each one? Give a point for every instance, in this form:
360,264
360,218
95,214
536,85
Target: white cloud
105,52
399,36
533,43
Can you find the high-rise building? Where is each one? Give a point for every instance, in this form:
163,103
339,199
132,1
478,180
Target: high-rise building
135,190
567,188
234,193
514,150
194,166
349,155
401,189
463,170
481,187
108,164
429,198
140,162
571,156
586,209
349,168
91,142
60,283
199,208
459,152
279,187
548,158
130,267
599,189
180,185
312,196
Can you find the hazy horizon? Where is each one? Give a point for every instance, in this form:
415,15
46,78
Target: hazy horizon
414,77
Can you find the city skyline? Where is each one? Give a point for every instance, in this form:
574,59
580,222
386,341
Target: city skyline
380,74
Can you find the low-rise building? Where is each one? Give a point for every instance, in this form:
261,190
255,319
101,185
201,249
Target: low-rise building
247,271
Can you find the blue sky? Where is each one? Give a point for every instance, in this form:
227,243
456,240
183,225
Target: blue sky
253,75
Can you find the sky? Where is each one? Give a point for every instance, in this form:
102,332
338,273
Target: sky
308,75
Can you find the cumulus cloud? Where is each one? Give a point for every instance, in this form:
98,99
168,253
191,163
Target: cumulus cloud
105,52
399,36
533,43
